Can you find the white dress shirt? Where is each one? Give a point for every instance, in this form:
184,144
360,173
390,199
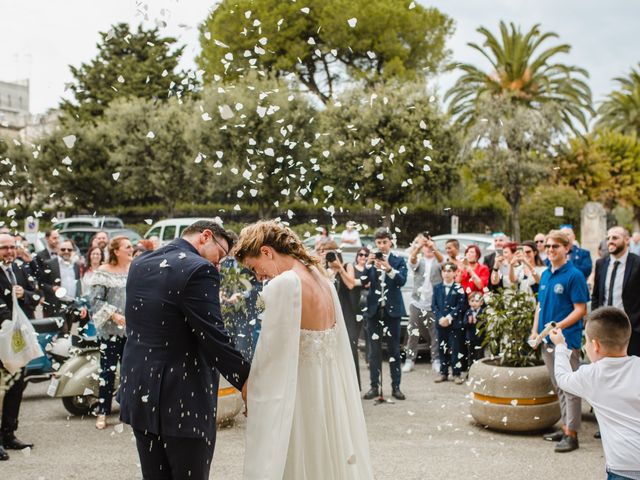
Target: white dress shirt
618,284
67,278
612,388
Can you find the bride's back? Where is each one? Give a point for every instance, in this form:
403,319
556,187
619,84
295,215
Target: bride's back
318,309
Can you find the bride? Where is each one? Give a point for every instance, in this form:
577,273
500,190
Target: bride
305,418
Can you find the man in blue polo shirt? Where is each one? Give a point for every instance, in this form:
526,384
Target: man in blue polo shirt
562,297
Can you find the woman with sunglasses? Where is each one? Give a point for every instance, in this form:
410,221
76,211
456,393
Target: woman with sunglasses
526,268
108,305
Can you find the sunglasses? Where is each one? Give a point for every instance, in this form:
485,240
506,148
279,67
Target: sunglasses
539,241
361,254
8,247
66,249
555,246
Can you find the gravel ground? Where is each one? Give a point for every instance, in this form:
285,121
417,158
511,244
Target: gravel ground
428,436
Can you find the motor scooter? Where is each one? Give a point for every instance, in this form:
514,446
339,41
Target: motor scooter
56,345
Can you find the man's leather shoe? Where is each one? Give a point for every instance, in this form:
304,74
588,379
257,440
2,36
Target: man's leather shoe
567,444
398,394
3,454
554,437
371,394
440,379
597,435
12,443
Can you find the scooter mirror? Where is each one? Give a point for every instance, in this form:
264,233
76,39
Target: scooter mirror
61,292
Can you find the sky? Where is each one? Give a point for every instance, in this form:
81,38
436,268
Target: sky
39,39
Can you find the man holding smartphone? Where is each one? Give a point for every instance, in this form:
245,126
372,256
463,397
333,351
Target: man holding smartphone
385,308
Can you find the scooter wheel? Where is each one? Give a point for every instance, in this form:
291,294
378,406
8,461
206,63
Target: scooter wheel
79,404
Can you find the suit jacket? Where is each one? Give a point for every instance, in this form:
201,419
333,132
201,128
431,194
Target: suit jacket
454,304
468,313
630,288
50,277
489,260
176,344
30,300
435,276
394,304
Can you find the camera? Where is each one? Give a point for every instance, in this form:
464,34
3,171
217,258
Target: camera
379,255
426,234
331,257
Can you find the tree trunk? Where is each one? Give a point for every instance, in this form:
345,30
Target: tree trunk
515,219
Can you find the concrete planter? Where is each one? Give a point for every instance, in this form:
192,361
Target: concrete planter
513,399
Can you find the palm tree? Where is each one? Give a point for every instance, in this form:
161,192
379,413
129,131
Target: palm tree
621,110
523,74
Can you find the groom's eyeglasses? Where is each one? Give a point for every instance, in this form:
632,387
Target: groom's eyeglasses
226,252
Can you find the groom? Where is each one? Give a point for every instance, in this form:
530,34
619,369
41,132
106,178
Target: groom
176,345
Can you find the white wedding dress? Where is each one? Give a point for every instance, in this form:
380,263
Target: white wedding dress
305,418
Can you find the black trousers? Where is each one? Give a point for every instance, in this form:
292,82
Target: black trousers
11,407
174,458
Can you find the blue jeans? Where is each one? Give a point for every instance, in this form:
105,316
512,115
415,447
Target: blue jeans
111,350
386,328
615,476
448,349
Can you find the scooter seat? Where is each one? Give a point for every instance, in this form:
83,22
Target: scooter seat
83,342
47,325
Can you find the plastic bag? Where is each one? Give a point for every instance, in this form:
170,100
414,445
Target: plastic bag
18,341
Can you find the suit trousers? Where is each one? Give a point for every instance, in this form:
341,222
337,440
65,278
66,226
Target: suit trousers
165,457
449,339
11,407
381,326
424,323
570,405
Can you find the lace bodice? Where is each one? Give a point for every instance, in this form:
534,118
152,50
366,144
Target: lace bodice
318,344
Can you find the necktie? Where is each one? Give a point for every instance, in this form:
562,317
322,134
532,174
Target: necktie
612,282
11,275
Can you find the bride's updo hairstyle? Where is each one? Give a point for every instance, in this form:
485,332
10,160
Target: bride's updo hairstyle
275,235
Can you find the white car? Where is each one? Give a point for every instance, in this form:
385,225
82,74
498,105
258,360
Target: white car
172,228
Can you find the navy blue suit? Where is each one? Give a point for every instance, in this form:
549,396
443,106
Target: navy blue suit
473,341
385,308
176,345
454,304
630,296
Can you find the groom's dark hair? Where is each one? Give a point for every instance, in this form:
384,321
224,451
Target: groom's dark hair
217,230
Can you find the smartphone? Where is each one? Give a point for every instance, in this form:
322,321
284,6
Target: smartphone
499,252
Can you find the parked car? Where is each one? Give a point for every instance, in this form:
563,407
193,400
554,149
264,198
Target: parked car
366,240
80,221
171,228
82,236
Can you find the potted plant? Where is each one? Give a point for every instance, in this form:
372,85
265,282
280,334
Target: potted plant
511,388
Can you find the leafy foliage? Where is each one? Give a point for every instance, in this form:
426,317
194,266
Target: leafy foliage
523,74
317,45
506,326
137,64
538,209
621,110
511,149
389,146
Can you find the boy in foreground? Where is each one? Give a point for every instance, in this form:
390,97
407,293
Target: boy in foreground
610,384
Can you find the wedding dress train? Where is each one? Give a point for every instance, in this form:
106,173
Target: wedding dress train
305,418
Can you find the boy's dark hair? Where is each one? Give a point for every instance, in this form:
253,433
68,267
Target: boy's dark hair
454,241
474,295
382,233
217,230
449,266
610,326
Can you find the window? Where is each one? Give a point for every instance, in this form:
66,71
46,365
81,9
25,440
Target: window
154,232
169,233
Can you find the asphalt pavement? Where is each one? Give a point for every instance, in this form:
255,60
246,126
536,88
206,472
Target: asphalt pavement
428,436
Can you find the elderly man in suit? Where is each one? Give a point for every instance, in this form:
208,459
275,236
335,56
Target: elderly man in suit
176,348
13,279
60,272
385,308
617,282
424,262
